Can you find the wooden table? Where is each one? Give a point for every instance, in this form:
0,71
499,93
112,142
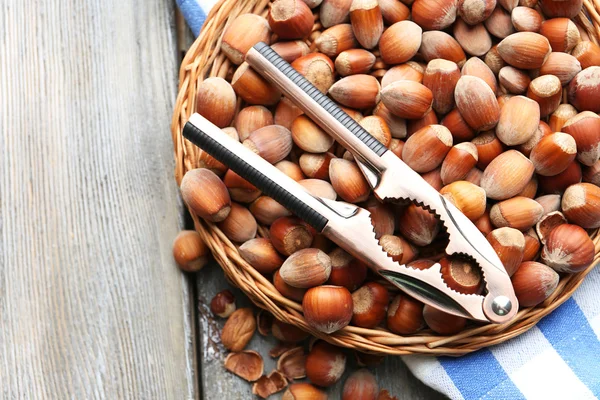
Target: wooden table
91,303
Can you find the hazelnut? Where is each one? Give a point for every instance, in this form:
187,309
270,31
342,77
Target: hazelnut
525,50
568,249
499,24
518,212
316,165
587,53
407,99
562,65
476,103
553,154
559,183
459,161
238,329
293,293
409,71
303,391
247,364
393,11
356,91
433,177
475,11
441,77
546,90
526,19
216,101
441,322
346,270
378,128
367,22
370,305
306,268
426,149
336,39
290,234
266,210
400,42
584,89
398,248
507,175
189,251
474,39
290,19
243,33
563,113
591,174
438,44
581,205
319,188
532,245
561,8
273,142
493,60
533,283
360,385
252,87
513,80
550,202
475,67
509,244
405,315
585,129
348,181
317,68
327,308
223,304
285,113
434,14
470,199
334,12
325,364
292,50
354,61
461,131
240,225
206,194
461,275
518,121
396,125
418,225
562,33
414,125
252,118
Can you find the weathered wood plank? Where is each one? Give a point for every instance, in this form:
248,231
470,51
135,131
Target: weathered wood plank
91,304
392,374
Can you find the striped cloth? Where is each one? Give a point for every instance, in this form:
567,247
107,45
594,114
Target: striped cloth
558,359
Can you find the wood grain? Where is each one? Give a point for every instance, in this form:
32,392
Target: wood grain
91,304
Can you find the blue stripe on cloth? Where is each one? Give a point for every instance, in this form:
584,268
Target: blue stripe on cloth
480,376
569,332
193,14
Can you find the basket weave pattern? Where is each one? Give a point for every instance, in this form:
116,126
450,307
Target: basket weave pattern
204,60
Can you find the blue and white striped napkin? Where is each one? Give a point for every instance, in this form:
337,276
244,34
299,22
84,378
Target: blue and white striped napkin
558,359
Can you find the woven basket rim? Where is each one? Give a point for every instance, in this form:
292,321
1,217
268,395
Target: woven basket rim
203,60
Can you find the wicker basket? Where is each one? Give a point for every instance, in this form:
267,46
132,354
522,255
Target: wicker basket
204,60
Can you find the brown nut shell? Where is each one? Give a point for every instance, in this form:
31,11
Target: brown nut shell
533,283
206,194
